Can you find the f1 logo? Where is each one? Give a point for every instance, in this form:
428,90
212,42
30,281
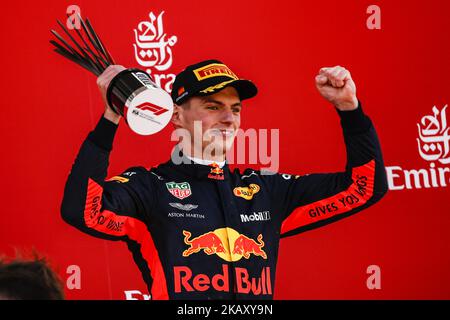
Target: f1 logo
153,108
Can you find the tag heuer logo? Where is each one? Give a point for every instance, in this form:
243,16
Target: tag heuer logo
180,190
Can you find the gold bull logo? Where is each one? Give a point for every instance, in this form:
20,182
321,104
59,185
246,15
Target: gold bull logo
227,243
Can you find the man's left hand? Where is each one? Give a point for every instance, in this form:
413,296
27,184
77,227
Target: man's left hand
335,84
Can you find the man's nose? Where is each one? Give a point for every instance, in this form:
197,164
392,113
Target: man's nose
227,115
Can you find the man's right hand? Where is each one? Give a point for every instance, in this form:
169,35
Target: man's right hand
103,82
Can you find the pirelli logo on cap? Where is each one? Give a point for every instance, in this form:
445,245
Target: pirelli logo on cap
214,70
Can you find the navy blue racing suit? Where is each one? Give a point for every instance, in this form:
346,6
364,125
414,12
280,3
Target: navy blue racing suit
204,232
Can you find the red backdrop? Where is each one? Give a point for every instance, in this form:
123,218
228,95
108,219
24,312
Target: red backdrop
401,71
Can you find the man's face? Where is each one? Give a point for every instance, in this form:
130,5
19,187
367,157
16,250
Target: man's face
219,117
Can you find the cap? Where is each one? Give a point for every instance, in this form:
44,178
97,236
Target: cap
206,78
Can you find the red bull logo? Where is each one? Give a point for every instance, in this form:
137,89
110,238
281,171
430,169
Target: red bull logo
186,280
227,243
245,246
216,172
209,242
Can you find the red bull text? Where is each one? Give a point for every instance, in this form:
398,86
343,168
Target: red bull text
229,245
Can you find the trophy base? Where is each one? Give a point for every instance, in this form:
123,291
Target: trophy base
147,109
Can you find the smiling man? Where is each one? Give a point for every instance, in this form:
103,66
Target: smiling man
198,230
216,118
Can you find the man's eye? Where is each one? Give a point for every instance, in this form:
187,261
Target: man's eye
212,108
237,110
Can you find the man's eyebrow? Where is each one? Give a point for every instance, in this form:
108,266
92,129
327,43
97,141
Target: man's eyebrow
209,100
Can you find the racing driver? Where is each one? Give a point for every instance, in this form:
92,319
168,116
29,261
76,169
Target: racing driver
198,230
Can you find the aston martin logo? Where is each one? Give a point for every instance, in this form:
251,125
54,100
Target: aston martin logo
185,207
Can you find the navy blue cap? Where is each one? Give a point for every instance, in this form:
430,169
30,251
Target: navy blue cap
206,78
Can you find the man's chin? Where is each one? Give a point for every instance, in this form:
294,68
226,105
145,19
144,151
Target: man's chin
217,149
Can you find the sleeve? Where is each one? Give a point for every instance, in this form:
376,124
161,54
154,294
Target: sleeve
314,200
111,209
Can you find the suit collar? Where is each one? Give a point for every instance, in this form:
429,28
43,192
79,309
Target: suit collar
188,167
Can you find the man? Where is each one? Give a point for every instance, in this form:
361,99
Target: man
198,230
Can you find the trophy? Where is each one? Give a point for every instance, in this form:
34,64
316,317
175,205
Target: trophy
132,93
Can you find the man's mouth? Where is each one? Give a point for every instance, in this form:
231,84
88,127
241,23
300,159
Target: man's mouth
225,133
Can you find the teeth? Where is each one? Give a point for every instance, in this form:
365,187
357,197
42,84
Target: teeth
224,132
227,133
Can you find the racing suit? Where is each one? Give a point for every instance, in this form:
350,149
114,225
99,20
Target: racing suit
204,232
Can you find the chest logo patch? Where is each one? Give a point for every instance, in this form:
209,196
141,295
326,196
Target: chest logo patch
185,207
246,192
227,243
119,179
179,190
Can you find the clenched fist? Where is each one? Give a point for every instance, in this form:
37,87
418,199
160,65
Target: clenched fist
335,84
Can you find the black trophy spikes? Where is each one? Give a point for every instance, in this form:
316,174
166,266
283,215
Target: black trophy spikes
90,53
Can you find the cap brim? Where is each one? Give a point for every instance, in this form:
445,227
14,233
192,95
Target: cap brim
246,89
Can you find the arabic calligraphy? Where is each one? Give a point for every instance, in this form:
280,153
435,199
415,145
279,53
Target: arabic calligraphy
153,47
433,141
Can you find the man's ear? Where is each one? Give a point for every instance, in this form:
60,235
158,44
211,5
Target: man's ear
176,115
